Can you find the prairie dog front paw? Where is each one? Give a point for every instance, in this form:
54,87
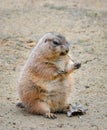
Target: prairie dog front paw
71,66
77,65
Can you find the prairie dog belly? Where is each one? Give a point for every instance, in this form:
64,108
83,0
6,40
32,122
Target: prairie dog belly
58,93
59,90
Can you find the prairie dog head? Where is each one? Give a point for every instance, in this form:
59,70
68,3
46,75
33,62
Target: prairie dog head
52,45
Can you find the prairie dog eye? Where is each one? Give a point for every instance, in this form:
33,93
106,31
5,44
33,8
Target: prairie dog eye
56,43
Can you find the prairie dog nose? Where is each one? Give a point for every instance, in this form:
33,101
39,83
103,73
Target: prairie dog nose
67,50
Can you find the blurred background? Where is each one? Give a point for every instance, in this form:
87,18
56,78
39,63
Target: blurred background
84,24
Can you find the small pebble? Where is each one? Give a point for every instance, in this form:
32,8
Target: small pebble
14,123
86,86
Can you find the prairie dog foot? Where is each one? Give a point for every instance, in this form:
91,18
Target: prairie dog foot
50,115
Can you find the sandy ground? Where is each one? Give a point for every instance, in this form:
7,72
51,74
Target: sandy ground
84,23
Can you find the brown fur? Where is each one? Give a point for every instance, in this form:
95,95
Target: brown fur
45,82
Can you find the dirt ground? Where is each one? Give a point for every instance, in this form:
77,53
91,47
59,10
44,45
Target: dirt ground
84,23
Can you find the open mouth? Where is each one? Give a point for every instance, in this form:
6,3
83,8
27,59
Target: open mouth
63,53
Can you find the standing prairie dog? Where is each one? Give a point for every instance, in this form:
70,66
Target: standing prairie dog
45,83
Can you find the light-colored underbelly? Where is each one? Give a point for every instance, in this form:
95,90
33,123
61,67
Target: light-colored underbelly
59,92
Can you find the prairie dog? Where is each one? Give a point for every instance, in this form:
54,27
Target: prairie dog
45,83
